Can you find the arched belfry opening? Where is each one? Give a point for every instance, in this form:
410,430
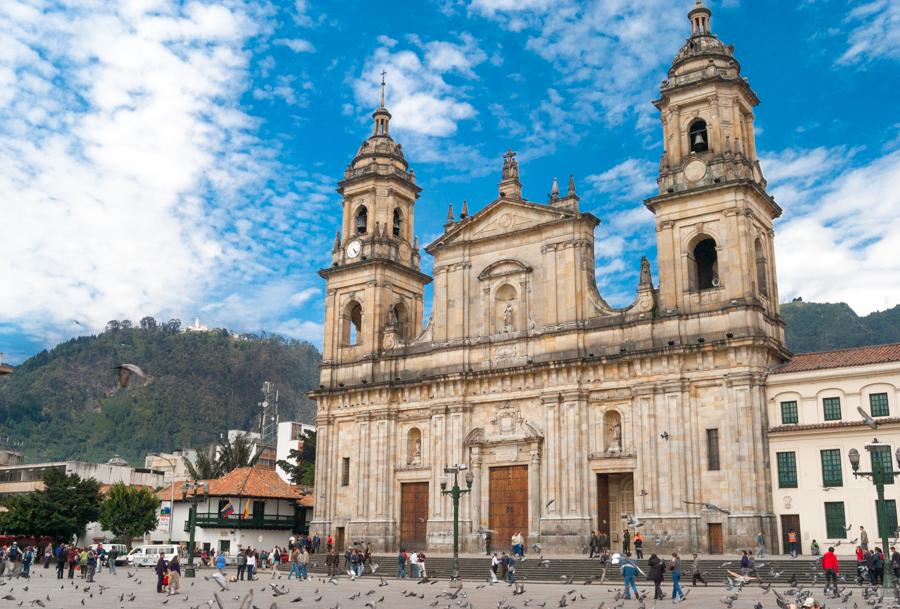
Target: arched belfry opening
351,326
761,275
362,220
698,136
397,222
706,264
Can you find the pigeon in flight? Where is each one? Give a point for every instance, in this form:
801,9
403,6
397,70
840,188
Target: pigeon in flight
125,372
664,435
868,420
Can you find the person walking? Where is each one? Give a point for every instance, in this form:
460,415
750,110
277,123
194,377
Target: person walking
62,557
870,566
895,562
160,569
401,564
92,560
329,543
656,575
675,567
48,555
510,569
241,564
252,558
495,564
629,572
745,563
27,560
594,544
638,545
83,563
174,569
626,542
760,545
863,538
696,573
832,569
295,561
73,558
111,560
304,564
422,571
414,563
220,562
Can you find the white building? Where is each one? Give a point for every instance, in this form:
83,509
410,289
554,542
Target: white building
25,478
266,512
813,423
172,464
290,437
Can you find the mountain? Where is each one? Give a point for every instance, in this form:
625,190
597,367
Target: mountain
66,403
814,326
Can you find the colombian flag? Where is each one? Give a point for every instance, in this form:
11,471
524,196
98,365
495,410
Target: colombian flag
227,509
246,511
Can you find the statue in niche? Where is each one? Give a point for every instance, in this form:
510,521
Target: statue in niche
614,437
646,280
392,317
507,318
417,451
414,447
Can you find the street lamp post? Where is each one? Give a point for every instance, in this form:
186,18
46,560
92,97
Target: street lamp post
455,493
878,476
191,491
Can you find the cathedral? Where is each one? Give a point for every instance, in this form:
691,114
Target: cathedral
571,415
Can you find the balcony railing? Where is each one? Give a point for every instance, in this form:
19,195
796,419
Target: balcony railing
213,521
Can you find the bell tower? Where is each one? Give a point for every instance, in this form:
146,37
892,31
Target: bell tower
713,214
374,288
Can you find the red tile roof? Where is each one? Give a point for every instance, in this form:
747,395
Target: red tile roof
831,425
248,482
859,356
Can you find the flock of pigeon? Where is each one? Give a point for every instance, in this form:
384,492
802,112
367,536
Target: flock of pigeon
431,593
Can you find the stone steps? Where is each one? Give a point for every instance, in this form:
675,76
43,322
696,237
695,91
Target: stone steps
474,569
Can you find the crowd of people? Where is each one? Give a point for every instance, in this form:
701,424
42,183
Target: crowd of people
16,561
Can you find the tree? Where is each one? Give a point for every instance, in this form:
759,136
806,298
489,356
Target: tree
148,323
219,459
300,466
128,511
61,510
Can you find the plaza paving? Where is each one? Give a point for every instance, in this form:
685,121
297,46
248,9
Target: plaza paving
370,592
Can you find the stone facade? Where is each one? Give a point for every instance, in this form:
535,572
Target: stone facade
650,410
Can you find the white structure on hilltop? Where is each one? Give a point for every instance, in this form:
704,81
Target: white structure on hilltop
290,437
813,424
197,327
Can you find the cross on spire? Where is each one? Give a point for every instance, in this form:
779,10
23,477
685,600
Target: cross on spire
382,87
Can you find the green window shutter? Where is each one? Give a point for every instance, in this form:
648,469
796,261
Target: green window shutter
878,404
789,413
881,457
831,468
832,408
835,525
887,529
787,470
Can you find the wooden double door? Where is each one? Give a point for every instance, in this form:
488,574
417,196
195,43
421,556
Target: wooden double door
413,515
508,508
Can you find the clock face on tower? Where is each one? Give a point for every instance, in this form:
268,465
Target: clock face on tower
353,248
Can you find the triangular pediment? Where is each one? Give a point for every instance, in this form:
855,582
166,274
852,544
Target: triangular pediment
499,218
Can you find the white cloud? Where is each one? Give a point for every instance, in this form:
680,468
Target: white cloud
297,45
875,32
419,96
131,182
630,179
607,53
838,239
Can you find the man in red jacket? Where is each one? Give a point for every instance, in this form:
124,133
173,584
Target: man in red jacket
830,565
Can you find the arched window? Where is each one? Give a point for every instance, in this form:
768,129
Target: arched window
362,221
706,264
399,318
398,221
698,137
352,324
761,281
414,446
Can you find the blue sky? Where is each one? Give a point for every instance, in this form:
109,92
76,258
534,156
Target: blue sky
179,159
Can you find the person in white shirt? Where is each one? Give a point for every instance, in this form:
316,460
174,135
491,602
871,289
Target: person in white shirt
251,565
414,563
495,563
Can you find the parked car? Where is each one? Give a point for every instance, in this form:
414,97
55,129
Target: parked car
121,548
147,556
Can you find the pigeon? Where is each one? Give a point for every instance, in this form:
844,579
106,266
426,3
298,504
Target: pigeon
219,579
125,372
664,435
549,503
867,419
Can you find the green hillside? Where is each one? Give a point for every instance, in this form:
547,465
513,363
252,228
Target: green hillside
66,403
812,326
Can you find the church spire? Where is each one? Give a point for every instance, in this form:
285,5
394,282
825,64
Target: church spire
381,116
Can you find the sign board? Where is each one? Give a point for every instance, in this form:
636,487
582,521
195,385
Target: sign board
164,523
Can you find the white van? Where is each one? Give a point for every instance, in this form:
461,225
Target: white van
147,556
121,551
